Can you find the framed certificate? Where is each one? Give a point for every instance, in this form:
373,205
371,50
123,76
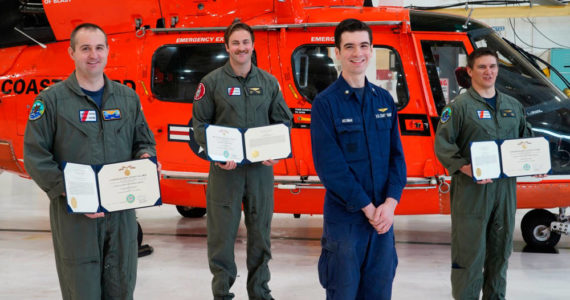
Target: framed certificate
112,187
510,158
248,145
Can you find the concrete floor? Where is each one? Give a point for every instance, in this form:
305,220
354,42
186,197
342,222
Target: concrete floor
178,268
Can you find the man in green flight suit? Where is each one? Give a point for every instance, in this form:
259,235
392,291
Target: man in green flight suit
482,212
239,95
88,119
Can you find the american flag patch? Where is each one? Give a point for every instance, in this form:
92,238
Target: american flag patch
483,114
234,91
179,133
87,116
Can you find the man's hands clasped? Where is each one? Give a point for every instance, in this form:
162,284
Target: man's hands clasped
381,217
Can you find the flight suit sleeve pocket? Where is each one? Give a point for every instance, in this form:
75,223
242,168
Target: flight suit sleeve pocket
351,139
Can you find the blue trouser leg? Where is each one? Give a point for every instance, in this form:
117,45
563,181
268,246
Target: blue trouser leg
356,262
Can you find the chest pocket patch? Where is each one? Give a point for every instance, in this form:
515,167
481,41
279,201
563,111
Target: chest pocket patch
507,113
351,138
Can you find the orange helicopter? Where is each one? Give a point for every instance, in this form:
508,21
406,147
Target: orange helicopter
162,49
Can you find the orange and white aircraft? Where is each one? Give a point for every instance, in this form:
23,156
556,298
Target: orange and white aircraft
163,48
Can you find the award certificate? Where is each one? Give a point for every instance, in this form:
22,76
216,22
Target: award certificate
485,160
522,157
267,142
248,145
81,188
224,143
127,185
111,187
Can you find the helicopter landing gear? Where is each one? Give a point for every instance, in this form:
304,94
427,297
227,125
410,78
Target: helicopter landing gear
541,229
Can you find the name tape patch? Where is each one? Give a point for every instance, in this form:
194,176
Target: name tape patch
87,116
234,91
483,114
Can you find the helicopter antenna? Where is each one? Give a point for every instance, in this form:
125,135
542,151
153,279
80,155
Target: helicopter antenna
31,38
468,18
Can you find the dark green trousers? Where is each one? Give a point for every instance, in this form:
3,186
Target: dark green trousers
95,258
482,224
250,186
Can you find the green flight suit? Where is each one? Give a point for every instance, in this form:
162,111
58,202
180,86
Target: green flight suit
229,100
95,258
482,215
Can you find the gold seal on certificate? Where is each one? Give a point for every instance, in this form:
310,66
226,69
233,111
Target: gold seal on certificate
118,186
267,142
253,145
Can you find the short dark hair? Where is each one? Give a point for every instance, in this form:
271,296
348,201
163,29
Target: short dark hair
483,51
237,26
87,26
350,25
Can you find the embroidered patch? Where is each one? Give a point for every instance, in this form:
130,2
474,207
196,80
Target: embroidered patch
200,91
445,115
234,91
38,109
87,116
255,91
347,121
507,113
483,114
111,114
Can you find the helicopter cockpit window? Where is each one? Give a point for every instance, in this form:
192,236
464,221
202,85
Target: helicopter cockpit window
178,69
441,60
315,68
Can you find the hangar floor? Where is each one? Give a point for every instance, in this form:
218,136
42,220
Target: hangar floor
178,268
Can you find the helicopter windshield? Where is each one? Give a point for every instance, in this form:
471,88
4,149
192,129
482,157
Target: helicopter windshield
547,108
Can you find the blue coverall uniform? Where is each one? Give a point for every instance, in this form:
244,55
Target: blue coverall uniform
359,158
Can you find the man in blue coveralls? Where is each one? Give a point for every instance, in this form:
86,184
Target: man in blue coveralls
359,158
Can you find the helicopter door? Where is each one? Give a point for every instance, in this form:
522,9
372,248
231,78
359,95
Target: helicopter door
442,55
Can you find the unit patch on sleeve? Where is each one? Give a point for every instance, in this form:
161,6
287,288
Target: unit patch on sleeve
445,115
507,113
234,91
484,114
255,91
88,116
111,114
38,109
200,91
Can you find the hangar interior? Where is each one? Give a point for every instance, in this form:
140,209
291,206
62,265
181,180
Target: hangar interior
177,268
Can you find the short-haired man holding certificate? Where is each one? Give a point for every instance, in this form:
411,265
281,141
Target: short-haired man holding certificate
88,119
243,96
482,212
